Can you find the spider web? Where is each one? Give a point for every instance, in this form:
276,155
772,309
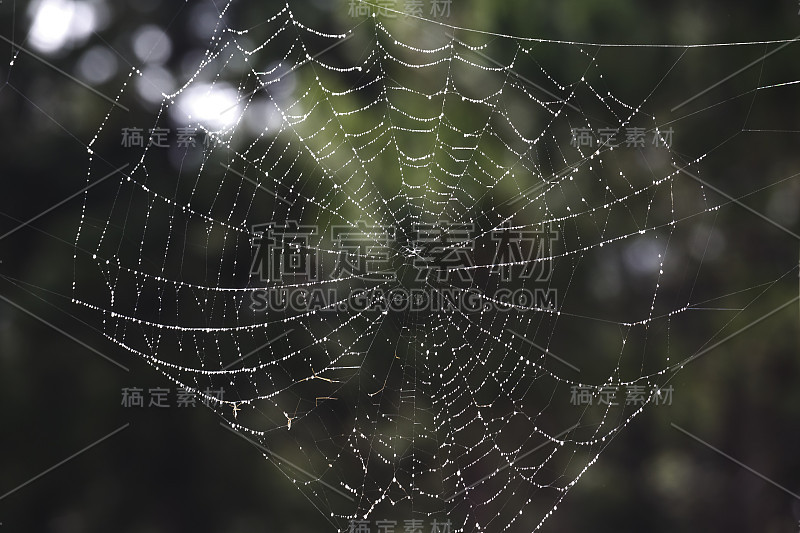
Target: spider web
448,415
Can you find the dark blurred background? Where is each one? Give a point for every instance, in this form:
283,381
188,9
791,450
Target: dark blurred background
176,469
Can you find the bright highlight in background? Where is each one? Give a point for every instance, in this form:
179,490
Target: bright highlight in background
215,106
57,23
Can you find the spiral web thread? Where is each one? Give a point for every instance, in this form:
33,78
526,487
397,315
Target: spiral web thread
451,416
